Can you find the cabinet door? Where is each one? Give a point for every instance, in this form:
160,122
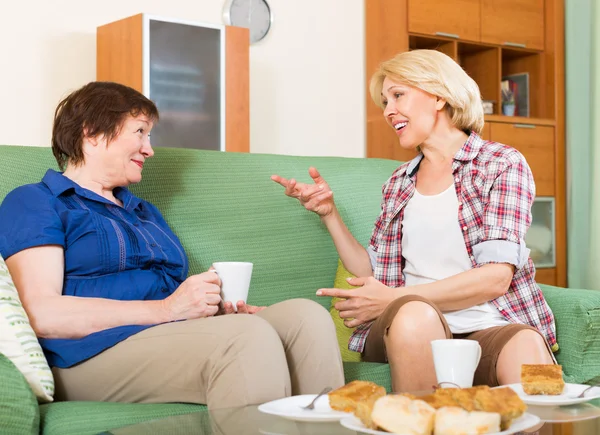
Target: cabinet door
454,18
545,276
536,143
513,22
485,133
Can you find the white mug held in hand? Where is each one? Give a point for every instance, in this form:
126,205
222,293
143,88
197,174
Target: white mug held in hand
455,361
235,280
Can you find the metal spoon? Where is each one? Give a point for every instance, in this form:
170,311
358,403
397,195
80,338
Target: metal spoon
311,405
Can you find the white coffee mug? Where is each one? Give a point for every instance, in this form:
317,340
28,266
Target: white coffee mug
455,362
235,280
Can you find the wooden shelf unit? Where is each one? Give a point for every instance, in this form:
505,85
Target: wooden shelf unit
125,51
489,39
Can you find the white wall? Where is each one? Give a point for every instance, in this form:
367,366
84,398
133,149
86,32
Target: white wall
306,77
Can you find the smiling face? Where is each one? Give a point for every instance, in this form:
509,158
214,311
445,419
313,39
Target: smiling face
411,112
122,160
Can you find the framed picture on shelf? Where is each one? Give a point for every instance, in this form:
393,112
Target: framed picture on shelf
515,94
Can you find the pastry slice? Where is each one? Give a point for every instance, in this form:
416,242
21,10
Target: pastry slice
398,414
546,379
357,397
502,400
457,421
465,397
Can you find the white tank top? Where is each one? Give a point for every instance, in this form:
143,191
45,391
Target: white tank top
433,249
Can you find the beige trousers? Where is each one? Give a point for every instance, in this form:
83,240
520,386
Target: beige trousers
224,361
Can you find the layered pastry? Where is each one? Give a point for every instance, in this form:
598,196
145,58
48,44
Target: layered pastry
399,414
503,401
546,379
457,421
357,397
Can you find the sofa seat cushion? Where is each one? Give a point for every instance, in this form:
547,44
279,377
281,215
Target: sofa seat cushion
83,418
19,412
577,316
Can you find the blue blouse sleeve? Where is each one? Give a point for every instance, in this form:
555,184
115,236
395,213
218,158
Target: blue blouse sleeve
28,219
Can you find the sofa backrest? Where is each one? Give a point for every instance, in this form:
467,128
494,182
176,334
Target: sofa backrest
223,206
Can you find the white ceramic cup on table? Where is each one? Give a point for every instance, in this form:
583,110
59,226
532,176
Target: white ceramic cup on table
235,280
455,362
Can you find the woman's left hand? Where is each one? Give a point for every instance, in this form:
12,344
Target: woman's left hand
362,304
242,308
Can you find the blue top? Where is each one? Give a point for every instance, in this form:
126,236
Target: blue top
122,253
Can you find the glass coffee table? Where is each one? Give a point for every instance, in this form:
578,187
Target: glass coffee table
582,419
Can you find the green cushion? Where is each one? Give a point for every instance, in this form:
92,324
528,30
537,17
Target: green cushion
19,412
368,371
577,314
83,418
342,331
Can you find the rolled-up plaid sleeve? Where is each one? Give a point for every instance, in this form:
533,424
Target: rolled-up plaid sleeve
507,215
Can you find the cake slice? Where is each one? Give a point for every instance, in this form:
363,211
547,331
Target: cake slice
546,379
501,400
461,397
357,397
457,421
399,414
465,397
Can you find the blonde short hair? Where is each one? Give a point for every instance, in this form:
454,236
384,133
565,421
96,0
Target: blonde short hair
439,75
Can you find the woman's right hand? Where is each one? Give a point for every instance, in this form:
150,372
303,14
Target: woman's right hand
198,296
316,197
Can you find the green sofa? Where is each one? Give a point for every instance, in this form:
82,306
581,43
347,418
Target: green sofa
223,206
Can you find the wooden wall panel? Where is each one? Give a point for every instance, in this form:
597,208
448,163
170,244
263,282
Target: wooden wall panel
119,54
386,30
237,93
555,73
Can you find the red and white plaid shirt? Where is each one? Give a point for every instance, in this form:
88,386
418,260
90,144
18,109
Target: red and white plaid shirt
495,190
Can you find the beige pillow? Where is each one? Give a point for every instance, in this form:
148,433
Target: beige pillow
18,341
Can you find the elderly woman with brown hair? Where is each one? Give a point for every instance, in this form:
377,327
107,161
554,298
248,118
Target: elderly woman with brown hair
447,258
104,281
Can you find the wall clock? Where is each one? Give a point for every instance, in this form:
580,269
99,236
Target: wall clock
253,14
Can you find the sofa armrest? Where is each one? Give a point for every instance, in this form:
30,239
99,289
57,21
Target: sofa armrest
577,316
19,411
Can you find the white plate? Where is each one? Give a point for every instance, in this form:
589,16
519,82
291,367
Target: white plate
291,408
524,422
568,396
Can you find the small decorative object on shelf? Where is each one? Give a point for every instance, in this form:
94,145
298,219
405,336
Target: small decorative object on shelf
519,84
508,98
488,107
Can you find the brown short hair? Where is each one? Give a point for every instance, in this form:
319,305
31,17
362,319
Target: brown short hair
98,108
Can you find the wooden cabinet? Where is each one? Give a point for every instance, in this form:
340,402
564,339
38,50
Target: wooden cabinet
184,68
491,40
451,18
513,22
536,143
485,133
545,276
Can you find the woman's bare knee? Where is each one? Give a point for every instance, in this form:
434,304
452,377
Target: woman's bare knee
416,321
528,345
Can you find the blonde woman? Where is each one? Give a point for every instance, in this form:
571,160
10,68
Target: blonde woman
447,258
